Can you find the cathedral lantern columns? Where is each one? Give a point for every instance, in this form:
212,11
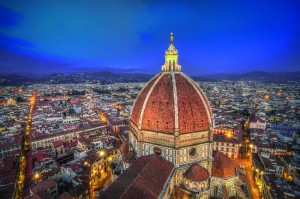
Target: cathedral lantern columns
171,57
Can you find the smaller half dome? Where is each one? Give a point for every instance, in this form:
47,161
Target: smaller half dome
222,166
196,173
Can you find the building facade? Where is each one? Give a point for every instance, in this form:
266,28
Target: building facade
228,145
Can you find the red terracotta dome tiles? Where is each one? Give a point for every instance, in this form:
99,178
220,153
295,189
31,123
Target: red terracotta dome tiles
196,173
222,166
137,107
159,110
157,99
191,110
204,97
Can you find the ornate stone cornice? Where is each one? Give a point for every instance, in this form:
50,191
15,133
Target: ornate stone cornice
170,140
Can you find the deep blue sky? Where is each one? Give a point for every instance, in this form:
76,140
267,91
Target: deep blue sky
131,36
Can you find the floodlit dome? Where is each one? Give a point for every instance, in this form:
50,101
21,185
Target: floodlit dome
171,102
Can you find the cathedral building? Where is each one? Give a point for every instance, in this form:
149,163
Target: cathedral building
171,141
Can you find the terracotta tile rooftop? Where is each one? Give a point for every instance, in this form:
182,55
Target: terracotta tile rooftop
43,186
65,195
75,166
222,166
57,143
41,156
145,178
196,173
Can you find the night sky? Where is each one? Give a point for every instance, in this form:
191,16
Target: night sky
43,37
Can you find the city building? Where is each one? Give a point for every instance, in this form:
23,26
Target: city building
257,123
226,144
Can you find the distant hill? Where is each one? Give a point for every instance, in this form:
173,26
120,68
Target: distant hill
257,76
15,80
84,77
95,77
105,77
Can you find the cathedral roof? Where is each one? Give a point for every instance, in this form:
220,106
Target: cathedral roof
222,166
145,178
196,173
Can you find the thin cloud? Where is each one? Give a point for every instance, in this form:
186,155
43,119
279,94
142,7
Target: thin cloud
9,18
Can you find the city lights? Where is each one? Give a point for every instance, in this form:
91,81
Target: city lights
102,153
97,103
36,176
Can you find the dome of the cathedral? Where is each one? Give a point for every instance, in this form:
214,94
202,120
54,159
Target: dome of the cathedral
171,102
196,173
222,166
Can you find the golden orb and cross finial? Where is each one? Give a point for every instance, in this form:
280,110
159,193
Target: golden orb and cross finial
171,37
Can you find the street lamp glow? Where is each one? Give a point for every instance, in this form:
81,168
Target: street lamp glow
36,176
102,153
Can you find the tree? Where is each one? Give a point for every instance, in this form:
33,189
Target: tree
20,99
71,111
133,96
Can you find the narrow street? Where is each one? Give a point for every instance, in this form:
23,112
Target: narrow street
248,178
246,159
104,180
25,147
